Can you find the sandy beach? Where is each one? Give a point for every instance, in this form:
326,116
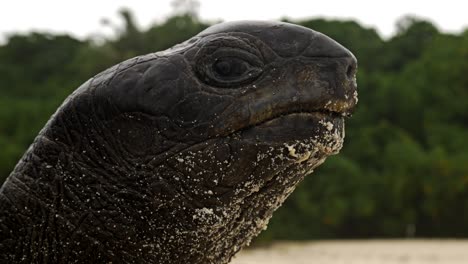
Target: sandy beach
359,252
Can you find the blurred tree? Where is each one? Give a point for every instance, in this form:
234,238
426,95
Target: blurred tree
37,64
413,36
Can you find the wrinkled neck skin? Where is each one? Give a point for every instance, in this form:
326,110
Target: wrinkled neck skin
152,162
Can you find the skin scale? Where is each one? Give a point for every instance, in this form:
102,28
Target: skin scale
180,156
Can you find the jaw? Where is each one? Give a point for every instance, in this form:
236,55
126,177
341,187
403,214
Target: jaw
224,171
295,126
231,185
234,166
314,132
288,148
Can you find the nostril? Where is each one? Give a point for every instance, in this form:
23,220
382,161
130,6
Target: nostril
351,71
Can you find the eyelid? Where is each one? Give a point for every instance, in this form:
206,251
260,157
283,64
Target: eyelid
232,43
229,52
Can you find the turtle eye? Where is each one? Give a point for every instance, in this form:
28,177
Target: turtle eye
228,64
230,67
230,70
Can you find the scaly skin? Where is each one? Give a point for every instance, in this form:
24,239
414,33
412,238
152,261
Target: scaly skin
179,156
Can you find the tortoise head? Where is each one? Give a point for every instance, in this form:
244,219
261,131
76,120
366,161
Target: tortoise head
212,134
244,102
252,107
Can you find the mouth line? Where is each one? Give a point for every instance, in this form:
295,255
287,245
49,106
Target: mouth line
332,110
323,112
262,113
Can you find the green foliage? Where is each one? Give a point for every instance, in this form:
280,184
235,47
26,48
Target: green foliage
403,170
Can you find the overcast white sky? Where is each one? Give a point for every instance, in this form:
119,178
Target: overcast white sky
82,18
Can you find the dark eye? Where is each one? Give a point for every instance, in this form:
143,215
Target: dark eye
228,62
229,70
230,67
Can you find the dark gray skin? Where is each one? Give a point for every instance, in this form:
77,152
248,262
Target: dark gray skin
180,156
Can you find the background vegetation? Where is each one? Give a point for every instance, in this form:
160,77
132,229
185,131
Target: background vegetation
402,172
